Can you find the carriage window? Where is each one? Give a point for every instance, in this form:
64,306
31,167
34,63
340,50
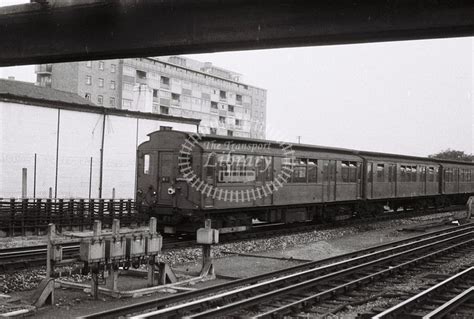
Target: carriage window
369,173
299,171
414,172
353,172
312,171
402,173
233,169
431,176
262,165
146,164
380,172
345,171
349,172
210,164
448,175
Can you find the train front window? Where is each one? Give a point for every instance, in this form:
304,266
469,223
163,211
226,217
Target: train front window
146,164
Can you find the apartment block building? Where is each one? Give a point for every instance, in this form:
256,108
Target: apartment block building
167,85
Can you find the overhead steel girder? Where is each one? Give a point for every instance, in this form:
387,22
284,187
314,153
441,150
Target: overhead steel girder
69,30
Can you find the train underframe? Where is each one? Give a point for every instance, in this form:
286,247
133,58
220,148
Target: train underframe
242,219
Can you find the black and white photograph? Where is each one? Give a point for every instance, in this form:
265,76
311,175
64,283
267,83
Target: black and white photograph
236,159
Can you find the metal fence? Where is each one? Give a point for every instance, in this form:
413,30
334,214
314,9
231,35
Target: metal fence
23,217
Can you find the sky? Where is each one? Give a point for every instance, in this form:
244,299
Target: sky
407,97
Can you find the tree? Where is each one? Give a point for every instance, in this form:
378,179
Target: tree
450,154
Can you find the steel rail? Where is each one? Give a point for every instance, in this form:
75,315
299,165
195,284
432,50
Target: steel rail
424,295
299,286
451,305
353,256
364,279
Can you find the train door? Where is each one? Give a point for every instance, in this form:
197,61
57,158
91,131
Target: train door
392,179
370,180
329,180
359,180
165,170
263,176
211,170
456,179
423,178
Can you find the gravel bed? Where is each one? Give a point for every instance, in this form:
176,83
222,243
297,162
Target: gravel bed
278,243
29,279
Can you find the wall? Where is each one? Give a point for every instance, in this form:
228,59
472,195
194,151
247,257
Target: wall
26,130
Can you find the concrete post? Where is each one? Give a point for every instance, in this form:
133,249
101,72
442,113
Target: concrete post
116,227
51,235
97,228
152,225
95,280
24,182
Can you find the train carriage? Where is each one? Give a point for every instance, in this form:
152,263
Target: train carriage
183,178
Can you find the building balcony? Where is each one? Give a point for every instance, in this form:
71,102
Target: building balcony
141,80
44,69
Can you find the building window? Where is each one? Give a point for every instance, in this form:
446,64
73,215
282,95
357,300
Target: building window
112,101
100,99
165,82
213,130
88,80
214,106
238,122
164,109
141,74
113,68
126,104
155,93
222,119
165,128
88,96
175,97
101,65
230,133
89,64
230,108
112,85
222,95
101,83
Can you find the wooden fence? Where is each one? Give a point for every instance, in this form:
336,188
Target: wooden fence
22,217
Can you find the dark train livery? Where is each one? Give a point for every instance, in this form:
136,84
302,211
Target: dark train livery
183,178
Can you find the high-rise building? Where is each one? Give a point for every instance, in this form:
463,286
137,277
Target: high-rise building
167,85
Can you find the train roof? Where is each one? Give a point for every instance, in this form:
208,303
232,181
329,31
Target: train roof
321,148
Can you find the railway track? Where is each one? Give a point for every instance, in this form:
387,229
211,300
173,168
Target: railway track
453,296
290,290
25,257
